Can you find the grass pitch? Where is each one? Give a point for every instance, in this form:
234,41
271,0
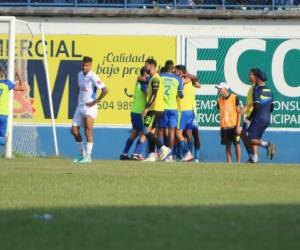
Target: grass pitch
132,205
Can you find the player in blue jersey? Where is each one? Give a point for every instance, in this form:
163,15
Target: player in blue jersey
260,119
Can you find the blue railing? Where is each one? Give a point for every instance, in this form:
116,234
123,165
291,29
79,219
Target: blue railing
167,4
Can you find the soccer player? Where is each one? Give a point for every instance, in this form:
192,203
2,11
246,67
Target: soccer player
230,116
86,111
139,103
186,115
260,118
5,86
154,107
173,88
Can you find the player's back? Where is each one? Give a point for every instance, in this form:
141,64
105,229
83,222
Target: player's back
172,84
263,96
140,99
187,102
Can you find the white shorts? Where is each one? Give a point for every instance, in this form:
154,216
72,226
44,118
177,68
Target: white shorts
81,112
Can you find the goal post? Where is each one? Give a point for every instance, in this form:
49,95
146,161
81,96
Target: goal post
14,55
10,76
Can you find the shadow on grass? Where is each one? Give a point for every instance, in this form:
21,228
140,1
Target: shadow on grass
193,227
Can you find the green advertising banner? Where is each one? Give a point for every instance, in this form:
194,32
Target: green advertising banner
229,60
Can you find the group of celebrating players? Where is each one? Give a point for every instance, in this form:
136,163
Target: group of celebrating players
164,114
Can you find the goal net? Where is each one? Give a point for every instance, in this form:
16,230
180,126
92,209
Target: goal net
23,136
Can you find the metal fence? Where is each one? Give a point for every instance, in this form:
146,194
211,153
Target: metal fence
157,4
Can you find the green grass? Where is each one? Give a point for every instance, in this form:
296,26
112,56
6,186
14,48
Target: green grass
132,205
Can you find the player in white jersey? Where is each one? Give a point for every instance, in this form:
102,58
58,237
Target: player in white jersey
86,111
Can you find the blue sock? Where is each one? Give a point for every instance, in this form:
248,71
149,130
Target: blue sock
183,147
197,153
139,148
2,140
191,146
127,145
250,152
162,140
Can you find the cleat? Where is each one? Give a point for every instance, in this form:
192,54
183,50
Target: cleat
273,151
249,160
151,158
137,157
169,158
188,157
164,152
78,159
196,160
85,160
124,157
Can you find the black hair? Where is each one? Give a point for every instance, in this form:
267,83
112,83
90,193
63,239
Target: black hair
181,67
151,61
163,70
143,71
87,59
259,74
169,63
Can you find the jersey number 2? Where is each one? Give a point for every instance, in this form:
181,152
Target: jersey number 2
167,90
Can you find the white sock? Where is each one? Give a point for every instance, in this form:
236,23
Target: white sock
81,148
264,144
255,158
89,148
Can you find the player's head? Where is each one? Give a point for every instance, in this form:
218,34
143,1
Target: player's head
2,72
223,89
163,70
143,71
150,65
169,66
256,75
180,70
86,64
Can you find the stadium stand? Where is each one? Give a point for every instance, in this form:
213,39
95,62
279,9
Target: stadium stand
168,4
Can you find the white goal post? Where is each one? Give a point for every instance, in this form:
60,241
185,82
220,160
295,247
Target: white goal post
12,21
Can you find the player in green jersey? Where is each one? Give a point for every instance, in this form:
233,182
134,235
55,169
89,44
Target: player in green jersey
139,103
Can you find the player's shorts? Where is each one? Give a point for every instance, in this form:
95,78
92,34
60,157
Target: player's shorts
185,119
3,125
137,121
257,129
169,119
228,136
81,112
151,119
195,123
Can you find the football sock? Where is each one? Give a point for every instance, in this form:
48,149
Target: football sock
2,140
81,148
127,145
151,137
89,148
139,148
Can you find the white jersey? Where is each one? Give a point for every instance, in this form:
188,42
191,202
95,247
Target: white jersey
88,85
